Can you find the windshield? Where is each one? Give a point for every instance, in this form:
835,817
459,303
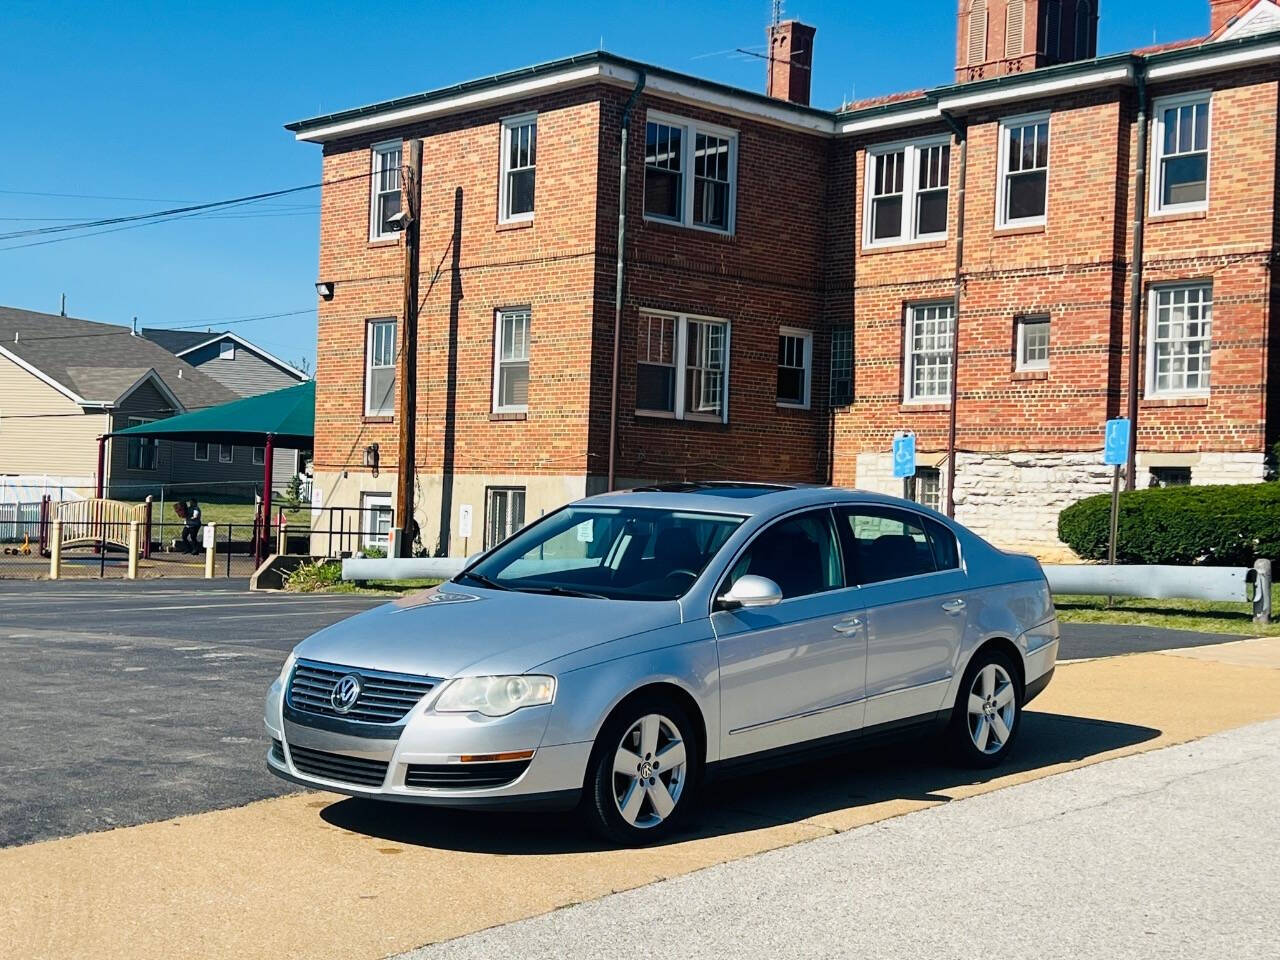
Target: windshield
615,553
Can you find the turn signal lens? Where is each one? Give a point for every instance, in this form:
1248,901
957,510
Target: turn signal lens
495,696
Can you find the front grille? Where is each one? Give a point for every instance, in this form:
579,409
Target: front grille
277,751
384,697
464,775
336,766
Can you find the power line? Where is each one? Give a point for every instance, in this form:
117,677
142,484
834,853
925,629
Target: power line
128,332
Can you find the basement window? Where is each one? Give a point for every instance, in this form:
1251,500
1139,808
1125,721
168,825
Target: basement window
690,173
907,192
1170,476
1180,178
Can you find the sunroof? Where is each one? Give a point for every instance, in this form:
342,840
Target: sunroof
731,491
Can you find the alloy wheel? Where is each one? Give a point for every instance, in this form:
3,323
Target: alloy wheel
993,709
649,771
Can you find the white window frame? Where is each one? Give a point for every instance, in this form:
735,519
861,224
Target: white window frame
1153,306
195,451
911,151
369,409
908,355
681,360
1002,170
691,129
226,349
807,359
231,453
507,493
377,152
498,361
1021,362
369,535
505,169
1158,107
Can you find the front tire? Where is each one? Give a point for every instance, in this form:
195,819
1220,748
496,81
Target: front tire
643,772
988,711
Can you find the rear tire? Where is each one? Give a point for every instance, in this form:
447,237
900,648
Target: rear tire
988,711
643,772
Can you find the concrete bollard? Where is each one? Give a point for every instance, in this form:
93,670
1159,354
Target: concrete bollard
132,573
282,538
1262,592
210,540
55,550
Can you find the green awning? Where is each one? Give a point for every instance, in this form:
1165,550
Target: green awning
287,415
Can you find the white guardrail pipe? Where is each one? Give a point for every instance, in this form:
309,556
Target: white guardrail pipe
1235,584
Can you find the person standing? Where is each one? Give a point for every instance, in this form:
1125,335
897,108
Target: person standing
191,528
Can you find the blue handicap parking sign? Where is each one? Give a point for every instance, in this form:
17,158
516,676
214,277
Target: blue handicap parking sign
1115,444
904,455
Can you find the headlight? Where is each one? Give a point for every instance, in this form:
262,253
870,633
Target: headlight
495,696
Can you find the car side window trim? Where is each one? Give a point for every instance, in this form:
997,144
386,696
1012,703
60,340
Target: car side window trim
829,508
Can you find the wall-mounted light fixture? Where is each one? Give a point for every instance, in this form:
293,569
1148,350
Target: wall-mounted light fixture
371,457
324,289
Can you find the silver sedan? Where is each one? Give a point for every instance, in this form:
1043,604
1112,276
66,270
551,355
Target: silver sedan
622,650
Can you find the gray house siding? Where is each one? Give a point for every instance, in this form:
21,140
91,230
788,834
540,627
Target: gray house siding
247,373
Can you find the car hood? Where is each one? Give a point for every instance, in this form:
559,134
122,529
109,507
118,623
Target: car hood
450,631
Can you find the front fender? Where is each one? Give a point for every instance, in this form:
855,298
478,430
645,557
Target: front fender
586,694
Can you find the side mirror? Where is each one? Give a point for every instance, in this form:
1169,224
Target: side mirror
752,591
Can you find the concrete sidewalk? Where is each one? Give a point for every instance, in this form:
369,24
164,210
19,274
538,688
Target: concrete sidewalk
1169,854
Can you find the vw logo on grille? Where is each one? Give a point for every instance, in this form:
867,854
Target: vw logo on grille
345,693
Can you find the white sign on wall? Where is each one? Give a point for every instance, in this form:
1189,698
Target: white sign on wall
208,536
464,520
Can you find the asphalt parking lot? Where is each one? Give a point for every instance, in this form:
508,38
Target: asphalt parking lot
130,702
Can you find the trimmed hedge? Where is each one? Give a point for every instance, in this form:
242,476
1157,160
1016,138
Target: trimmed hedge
1229,525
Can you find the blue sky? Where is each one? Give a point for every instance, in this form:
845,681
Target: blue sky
156,102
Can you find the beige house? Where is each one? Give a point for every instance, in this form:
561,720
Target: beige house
65,382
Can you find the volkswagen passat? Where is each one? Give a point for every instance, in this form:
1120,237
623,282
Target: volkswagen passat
619,651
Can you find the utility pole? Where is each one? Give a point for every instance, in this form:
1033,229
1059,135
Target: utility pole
407,366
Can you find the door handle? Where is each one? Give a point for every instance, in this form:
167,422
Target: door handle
852,625
953,606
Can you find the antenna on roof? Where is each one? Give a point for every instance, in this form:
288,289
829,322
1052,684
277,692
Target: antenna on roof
62,311
777,12
134,331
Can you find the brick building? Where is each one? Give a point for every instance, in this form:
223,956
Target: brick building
789,334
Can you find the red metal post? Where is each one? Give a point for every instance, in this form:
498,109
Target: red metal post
266,499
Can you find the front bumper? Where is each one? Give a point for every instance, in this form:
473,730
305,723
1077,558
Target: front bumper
353,759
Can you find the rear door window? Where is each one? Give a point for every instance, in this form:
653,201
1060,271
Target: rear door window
884,543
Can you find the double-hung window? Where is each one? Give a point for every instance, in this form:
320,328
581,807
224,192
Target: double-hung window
511,361
795,363
1180,180
930,329
143,451
519,159
1023,194
690,173
1033,343
682,367
385,200
1178,339
380,368
907,194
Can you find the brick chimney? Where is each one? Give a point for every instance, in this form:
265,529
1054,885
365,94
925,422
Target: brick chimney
1221,12
995,38
790,61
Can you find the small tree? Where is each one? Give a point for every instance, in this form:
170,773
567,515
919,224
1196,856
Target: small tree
293,493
